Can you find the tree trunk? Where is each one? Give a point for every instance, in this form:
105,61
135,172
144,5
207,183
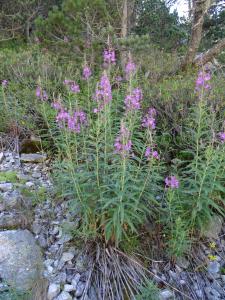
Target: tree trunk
200,9
211,53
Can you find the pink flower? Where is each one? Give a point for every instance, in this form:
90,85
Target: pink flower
149,153
109,56
41,94
74,87
201,81
172,182
86,73
148,120
103,93
130,68
222,137
123,143
4,83
133,101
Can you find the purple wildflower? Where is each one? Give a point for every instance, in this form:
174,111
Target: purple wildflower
86,73
222,137
65,39
123,142
62,117
149,119
172,182
74,87
109,56
118,78
201,81
130,68
133,101
41,94
57,105
103,93
76,121
149,153
4,83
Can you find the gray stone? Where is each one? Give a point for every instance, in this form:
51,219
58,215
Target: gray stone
60,278
29,184
67,256
12,200
33,158
5,187
1,157
75,280
69,288
79,289
36,175
213,267
36,228
223,278
199,293
214,227
182,262
165,294
11,220
81,263
20,259
53,291
64,296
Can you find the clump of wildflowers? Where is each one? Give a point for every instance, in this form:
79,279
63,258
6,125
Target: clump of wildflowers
123,142
73,86
133,100
86,73
4,83
202,81
151,154
41,94
74,122
103,93
109,56
148,120
130,68
172,182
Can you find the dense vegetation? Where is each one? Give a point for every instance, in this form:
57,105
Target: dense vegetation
130,143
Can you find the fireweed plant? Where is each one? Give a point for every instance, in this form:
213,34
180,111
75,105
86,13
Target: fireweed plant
199,193
111,167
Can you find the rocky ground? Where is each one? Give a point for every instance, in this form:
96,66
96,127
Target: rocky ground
35,248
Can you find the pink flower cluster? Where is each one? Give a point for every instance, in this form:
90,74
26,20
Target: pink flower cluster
109,56
202,81
133,101
151,154
130,68
172,182
73,86
123,142
222,137
41,94
103,93
148,120
74,122
86,73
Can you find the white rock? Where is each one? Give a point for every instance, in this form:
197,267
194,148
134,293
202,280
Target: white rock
53,291
166,294
75,280
1,157
29,184
64,296
80,289
67,256
5,187
69,288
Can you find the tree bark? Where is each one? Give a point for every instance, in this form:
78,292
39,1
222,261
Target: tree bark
211,53
200,9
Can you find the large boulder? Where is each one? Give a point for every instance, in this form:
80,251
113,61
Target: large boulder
20,260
